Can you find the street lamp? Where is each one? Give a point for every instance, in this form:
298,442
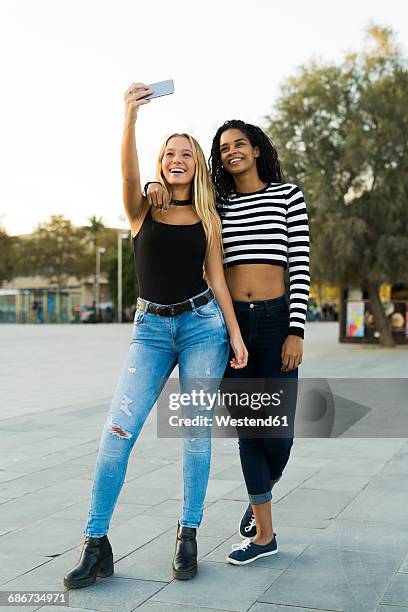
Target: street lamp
99,250
121,236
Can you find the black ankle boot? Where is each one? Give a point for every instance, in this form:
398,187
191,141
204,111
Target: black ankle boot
185,555
96,560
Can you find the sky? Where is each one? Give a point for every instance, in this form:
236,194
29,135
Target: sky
66,66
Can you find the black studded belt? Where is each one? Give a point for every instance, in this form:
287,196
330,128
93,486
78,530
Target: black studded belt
169,310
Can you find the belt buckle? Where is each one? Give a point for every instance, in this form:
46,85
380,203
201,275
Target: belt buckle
165,311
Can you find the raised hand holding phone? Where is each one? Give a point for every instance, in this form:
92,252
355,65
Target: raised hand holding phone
162,88
135,96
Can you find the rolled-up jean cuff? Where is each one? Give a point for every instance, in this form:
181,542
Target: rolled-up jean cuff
260,498
92,535
189,524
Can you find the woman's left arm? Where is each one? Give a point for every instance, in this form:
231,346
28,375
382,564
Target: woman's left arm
214,272
299,277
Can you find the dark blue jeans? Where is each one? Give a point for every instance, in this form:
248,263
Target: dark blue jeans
264,326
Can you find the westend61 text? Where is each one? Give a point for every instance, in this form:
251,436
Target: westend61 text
227,421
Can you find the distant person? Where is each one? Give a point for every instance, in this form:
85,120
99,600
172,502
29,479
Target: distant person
179,319
34,307
39,312
265,230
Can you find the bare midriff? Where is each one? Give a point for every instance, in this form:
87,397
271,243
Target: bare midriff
253,282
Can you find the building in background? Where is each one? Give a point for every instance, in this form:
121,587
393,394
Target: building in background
33,299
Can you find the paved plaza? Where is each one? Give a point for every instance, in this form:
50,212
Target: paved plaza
340,511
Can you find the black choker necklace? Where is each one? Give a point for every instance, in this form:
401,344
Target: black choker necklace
181,202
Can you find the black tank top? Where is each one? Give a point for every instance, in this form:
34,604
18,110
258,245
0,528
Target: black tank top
169,260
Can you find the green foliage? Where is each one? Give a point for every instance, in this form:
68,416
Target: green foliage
7,256
53,250
342,131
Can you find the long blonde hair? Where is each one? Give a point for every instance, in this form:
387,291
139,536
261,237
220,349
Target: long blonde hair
202,192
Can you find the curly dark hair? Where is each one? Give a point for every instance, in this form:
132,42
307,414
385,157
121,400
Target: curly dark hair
268,164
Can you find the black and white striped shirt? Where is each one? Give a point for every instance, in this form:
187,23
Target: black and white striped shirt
271,226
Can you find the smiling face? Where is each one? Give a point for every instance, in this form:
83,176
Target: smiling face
237,153
177,164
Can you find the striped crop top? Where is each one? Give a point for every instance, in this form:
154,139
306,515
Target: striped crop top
271,226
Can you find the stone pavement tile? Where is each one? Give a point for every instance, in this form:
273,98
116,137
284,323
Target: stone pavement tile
157,606
72,489
369,505
292,541
333,579
19,439
264,607
40,480
114,594
146,496
11,459
153,560
137,532
384,448
389,482
404,566
50,459
238,494
65,609
167,475
310,507
139,466
53,444
328,481
170,507
41,462
14,564
18,424
233,472
393,468
366,536
392,608
302,461
210,587
219,488
221,518
397,592
328,448
21,512
5,475
121,513
49,536
163,448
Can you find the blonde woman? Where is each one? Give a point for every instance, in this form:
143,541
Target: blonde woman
179,320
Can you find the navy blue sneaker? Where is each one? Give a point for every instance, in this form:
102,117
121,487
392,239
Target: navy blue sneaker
247,526
248,551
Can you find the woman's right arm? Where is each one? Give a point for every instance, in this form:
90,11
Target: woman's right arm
132,192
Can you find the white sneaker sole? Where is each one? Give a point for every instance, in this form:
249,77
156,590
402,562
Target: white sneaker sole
266,554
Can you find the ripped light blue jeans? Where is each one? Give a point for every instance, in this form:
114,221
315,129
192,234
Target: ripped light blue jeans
198,341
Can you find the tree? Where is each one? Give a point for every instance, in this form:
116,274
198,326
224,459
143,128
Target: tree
7,256
54,250
342,133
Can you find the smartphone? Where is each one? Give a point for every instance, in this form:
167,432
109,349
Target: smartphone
163,88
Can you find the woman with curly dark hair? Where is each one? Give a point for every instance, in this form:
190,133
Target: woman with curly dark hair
264,231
